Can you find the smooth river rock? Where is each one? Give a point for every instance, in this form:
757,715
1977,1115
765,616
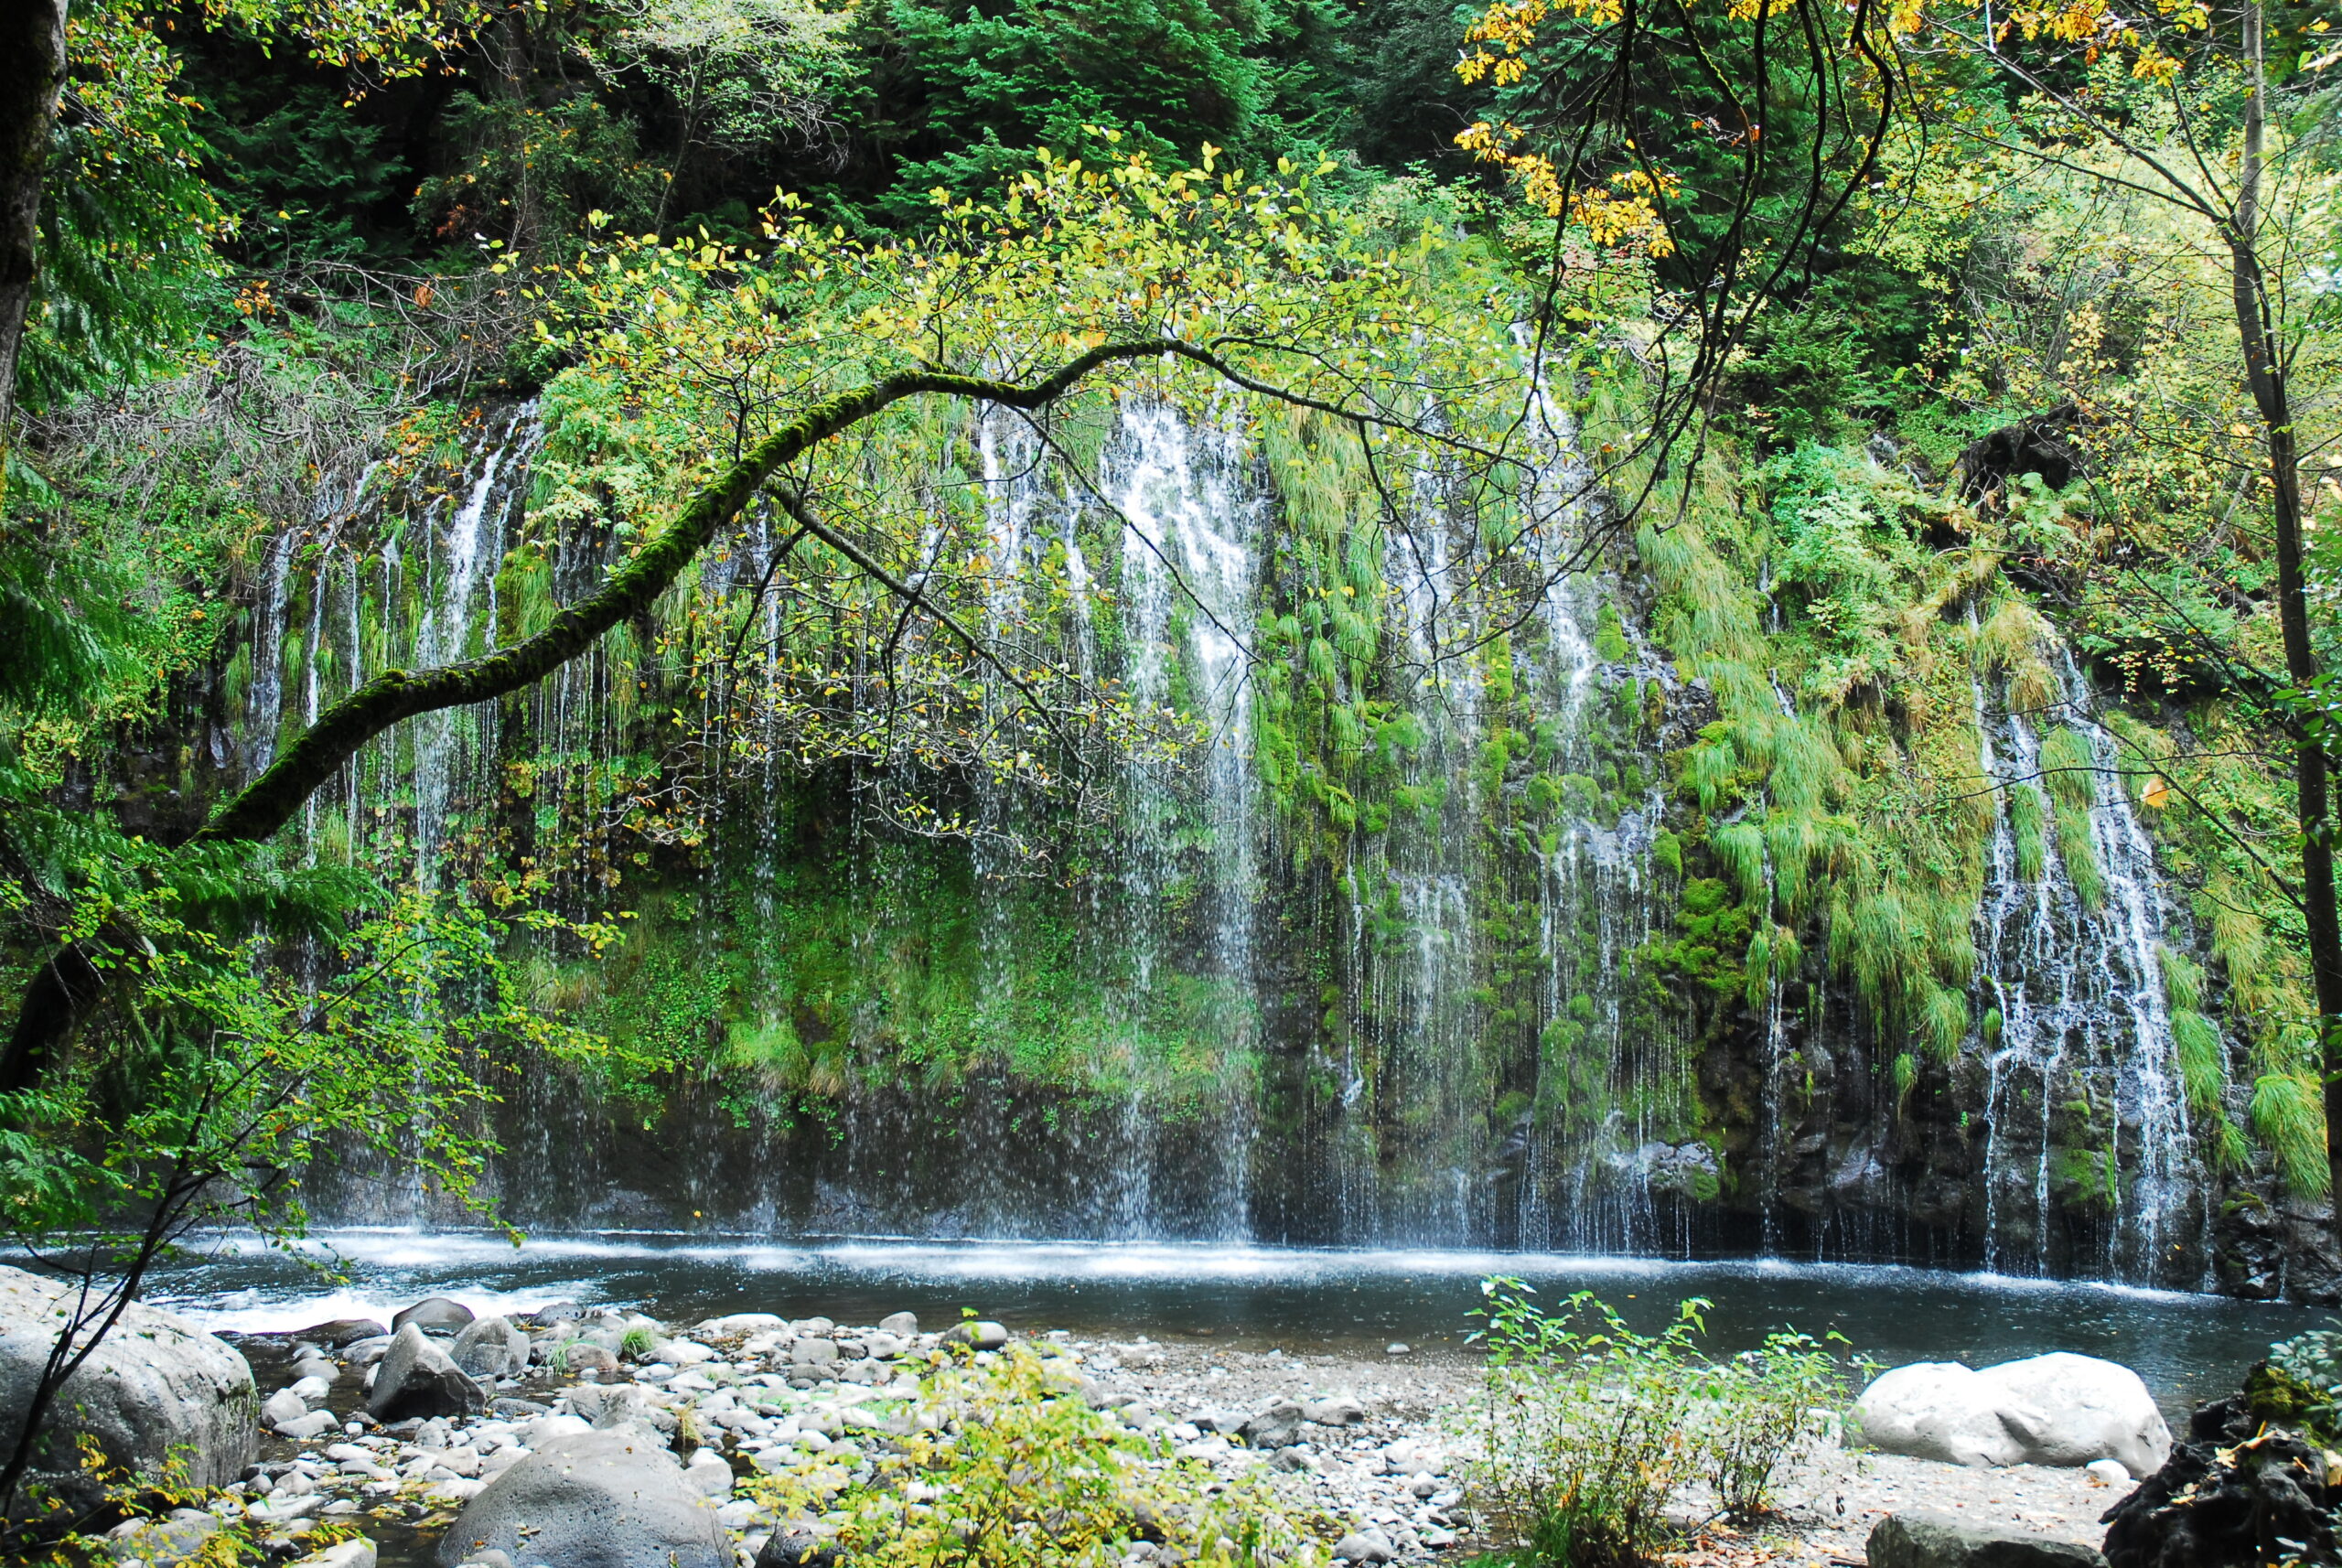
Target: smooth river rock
418,1378
490,1347
597,1499
2059,1408
1277,1427
157,1386
1919,1539
978,1334
340,1332
2090,1410
434,1313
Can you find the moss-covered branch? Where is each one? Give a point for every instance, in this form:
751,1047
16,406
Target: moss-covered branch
67,988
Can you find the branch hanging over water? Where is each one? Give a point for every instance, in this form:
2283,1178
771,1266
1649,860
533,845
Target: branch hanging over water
67,988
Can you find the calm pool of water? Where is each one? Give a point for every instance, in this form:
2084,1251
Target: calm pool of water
2188,1347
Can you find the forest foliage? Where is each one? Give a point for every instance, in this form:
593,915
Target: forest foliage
273,236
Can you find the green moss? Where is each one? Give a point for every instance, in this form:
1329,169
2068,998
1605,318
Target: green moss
1667,853
1610,639
2203,1061
2290,1121
2077,852
2026,811
2084,1178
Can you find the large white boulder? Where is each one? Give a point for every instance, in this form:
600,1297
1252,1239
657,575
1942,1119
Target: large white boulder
2090,1410
1937,1410
596,1500
2059,1408
156,1388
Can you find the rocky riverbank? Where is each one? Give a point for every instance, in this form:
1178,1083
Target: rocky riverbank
1359,1450
397,1435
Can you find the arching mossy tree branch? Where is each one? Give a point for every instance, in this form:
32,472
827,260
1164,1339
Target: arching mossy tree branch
67,988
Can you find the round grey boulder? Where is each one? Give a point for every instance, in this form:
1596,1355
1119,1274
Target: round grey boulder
341,1331
179,1536
490,1347
593,1499
977,1333
1278,1426
154,1388
1339,1410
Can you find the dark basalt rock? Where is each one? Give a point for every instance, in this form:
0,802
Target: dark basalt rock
340,1332
2038,444
2244,1489
794,1547
1938,1541
417,1378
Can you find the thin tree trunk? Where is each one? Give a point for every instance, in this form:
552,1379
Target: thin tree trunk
2265,376
32,76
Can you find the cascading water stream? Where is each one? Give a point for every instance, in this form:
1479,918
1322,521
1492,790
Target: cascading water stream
1421,1132
2081,1096
1191,535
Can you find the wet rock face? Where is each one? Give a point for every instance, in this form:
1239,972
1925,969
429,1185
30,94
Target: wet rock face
2240,1491
2270,1245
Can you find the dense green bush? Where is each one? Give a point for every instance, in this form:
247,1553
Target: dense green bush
1588,1430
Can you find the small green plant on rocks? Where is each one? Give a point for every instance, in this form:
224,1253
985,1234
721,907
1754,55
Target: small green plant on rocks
1769,1409
1006,1465
1585,1429
1588,1430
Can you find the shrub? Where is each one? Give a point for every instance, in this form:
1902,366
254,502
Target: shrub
2304,1373
1588,1429
1766,1417
1018,1472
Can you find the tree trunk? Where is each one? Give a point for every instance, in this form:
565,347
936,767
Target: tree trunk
2264,369
32,76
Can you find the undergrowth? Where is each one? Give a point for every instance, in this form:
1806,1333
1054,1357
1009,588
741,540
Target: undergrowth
1017,1470
1589,1430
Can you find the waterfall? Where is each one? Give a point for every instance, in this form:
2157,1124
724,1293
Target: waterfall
1443,1029
2082,1106
1191,531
